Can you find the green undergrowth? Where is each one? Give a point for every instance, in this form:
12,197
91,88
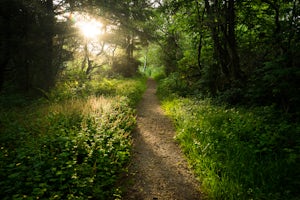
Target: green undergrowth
73,148
238,153
130,87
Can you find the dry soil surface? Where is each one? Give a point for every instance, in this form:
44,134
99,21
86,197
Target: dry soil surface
158,169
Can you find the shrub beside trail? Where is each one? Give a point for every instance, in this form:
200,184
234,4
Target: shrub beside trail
237,152
69,149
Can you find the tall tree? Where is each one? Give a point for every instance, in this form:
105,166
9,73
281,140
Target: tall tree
48,73
28,51
224,37
245,49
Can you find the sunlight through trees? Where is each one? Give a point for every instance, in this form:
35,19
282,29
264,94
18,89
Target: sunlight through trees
90,28
238,53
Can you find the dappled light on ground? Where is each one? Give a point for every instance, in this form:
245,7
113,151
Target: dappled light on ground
158,168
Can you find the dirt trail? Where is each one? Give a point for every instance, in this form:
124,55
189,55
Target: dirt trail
158,169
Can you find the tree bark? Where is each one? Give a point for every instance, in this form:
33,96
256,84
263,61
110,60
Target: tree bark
48,69
224,37
5,50
200,21
221,54
232,43
5,36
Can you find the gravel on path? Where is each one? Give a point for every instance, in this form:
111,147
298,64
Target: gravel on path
158,170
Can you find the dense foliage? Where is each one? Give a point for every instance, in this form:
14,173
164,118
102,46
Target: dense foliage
72,143
243,52
241,55
238,153
237,53
27,30
38,40
71,149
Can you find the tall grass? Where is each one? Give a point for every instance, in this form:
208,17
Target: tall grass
131,88
71,147
238,153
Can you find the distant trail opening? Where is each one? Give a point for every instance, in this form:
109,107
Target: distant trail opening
158,169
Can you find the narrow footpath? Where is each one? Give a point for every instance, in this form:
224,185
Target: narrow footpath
158,170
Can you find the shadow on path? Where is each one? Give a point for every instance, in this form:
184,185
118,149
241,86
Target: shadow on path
158,169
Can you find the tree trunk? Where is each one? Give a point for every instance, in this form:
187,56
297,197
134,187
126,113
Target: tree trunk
129,48
220,52
5,50
225,45
47,73
235,70
5,36
200,21
145,61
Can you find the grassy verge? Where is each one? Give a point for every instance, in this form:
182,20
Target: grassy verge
238,153
131,88
70,149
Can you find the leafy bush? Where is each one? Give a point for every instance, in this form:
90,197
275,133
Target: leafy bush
238,153
132,88
71,150
71,147
276,82
127,67
154,72
173,85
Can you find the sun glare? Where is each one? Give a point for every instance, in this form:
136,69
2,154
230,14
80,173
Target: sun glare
90,28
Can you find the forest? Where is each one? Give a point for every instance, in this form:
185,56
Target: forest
73,71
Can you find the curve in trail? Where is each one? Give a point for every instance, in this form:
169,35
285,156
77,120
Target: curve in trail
158,169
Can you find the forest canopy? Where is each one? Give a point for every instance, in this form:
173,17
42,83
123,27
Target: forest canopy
41,39
239,51
228,74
